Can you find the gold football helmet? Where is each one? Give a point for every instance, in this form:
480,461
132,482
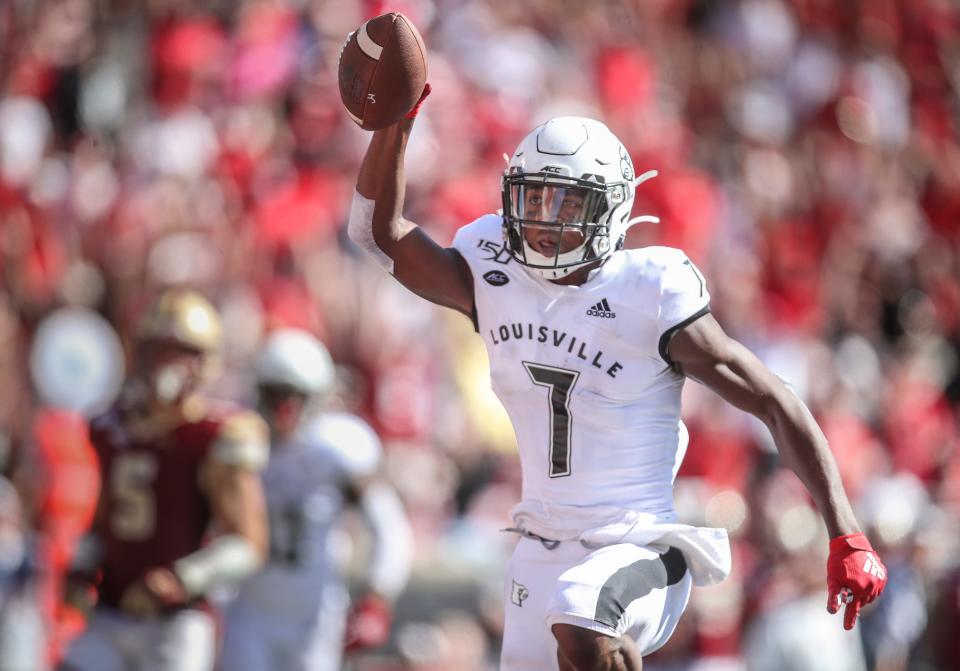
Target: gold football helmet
179,341
183,317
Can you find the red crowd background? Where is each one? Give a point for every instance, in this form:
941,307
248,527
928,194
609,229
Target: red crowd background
808,164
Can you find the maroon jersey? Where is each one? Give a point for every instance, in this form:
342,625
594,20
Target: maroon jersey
153,508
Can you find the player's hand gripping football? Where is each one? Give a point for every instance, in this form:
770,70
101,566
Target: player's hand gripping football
158,590
412,114
855,576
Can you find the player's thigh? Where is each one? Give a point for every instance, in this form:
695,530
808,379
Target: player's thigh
96,648
623,590
529,585
322,646
23,635
184,641
247,641
651,621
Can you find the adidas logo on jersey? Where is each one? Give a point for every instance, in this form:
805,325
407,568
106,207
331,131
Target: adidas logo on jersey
873,567
602,309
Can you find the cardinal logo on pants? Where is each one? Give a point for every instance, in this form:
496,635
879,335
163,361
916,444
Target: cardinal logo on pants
518,593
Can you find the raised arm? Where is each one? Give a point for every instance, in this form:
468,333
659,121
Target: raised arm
705,353
377,225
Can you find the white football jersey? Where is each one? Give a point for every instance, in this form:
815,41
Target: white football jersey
582,372
304,484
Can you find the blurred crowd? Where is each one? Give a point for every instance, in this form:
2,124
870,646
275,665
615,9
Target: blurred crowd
808,164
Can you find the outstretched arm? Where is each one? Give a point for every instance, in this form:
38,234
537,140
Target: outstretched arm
705,353
376,224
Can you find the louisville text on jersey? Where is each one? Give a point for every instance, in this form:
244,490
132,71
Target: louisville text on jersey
559,339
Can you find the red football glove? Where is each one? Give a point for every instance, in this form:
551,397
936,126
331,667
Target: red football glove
368,624
855,576
412,114
80,589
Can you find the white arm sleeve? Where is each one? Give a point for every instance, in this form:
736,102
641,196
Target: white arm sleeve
229,558
391,555
360,230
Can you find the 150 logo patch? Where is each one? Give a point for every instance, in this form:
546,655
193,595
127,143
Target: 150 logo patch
497,251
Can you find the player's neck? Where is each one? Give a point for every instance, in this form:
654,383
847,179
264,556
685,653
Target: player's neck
155,418
580,275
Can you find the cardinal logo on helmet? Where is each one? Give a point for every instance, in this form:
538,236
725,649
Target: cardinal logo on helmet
626,165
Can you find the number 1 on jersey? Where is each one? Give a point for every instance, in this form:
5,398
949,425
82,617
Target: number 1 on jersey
559,381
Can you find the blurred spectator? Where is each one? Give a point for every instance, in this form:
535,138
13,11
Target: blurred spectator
22,627
793,629
896,510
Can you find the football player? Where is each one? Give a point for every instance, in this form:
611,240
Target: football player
181,508
295,613
589,347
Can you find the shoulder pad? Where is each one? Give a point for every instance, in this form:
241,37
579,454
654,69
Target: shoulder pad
489,227
652,260
241,440
349,439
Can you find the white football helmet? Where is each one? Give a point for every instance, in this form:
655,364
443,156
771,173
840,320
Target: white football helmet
569,176
296,360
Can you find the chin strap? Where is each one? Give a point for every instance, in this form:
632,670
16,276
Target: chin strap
649,174
649,218
644,218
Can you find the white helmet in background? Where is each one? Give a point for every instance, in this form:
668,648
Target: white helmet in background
580,162
296,360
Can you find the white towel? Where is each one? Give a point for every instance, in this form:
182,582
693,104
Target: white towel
705,549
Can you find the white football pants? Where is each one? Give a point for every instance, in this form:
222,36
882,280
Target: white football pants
618,590
115,641
258,639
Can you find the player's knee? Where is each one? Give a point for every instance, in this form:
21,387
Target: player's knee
588,650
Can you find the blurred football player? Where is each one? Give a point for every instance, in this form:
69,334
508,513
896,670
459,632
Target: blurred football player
181,508
295,614
589,347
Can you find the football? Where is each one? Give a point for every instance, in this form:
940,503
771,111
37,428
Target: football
382,71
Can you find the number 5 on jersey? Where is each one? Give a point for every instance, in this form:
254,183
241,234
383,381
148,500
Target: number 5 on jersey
134,517
559,382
